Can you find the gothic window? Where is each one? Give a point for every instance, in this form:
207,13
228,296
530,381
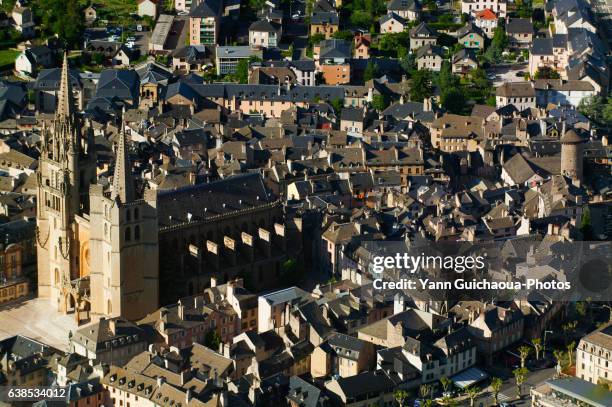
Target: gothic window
136,214
128,216
137,232
128,234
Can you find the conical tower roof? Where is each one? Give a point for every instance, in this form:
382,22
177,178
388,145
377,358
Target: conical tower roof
123,184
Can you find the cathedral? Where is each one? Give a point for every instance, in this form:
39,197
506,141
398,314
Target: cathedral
88,238
104,251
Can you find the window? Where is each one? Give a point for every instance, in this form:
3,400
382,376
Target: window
137,232
128,234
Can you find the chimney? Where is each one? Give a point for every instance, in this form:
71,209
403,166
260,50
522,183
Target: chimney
160,381
187,396
181,310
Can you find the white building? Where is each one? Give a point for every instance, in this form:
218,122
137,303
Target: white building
474,6
147,8
594,356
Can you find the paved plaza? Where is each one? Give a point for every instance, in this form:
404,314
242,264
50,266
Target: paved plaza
37,319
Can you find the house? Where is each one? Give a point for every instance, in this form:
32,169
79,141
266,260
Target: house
24,361
392,23
126,56
14,283
472,7
422,35
342,355
190,58
406,9
299,72
520,32
550,53
326,23
332,57
264,33
486,20
352,120
364,389
562,92
23,20
520,94
112,340
228,57
471,36
148,8
594,356
591,69
361,48
464,61
452,132
106,49
205,22
274,308
430,57
31,60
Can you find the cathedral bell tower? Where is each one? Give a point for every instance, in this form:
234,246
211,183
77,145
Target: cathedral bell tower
66,168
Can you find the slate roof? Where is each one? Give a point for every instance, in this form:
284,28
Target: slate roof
403,5
49,79
335,48
519,26
207,8
264,26
325,18
352,114
365,383
122,84
430,50
392,16
203,201
516,89
542,46
464,53
423,31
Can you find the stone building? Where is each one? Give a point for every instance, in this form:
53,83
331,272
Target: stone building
105,252
572,155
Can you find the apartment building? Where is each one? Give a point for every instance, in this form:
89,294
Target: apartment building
205,22
475,6
594,356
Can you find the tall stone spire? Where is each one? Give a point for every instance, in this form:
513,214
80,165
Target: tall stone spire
65,107
123,184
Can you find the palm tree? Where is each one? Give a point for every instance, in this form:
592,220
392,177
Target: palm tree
496,385
472,393
446,382
524,352
537,345
400,396
424,391
521,375
570,352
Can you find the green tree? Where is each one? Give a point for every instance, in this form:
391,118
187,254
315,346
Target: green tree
63,18
400,396
212,340
371,71
361,19
453,100
537,345
343,35
499,43
520,375
586,228
524,352
379,102
593,108
546,72
242,69
570,352
496,385
337,104
446,383
421,85
472,393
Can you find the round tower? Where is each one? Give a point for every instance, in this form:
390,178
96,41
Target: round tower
571,155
